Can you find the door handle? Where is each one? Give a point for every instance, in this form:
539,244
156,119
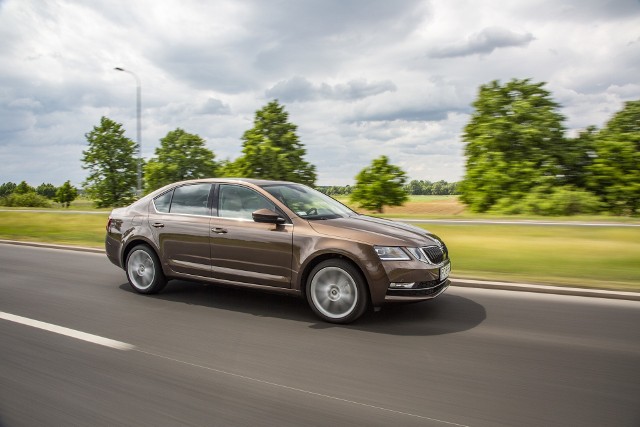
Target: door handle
219,230
157,225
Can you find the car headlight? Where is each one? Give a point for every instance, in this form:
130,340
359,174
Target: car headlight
391,253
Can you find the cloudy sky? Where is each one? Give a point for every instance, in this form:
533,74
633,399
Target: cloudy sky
359,78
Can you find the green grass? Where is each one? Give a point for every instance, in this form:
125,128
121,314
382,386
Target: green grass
80,204
52,227
600,257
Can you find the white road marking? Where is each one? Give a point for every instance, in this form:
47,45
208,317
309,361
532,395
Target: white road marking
95,339
119,345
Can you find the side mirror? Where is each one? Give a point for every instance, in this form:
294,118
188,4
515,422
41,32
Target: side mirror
268,216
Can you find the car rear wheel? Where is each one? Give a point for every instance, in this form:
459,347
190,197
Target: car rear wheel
336,291
144,271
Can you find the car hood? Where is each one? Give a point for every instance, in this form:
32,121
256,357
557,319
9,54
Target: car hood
375,231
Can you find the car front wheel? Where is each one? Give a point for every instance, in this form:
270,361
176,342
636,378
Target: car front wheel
144,271
336,291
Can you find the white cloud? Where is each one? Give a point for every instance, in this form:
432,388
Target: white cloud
394,78
301,89
484,42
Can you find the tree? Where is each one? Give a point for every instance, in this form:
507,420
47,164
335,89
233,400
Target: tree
47,190
414,187
24,188
514,142
112,165
380,184
578,156
180,156
272,150
614,174
66,194
7,188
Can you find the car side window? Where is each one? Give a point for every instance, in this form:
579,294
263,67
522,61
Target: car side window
163,202
191,199
240,202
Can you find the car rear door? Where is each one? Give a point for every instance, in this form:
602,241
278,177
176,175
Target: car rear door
180,223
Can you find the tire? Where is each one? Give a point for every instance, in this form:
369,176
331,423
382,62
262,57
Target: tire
337,292
144,271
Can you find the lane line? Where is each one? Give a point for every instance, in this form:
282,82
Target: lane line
95,339
119,345
300,390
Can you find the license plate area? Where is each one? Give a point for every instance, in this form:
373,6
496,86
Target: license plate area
444,271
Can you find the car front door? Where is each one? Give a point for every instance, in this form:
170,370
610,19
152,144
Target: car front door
180,224
246,251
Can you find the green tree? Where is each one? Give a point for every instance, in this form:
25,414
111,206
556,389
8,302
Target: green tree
272,150
180,156
47,190
414,187
514,143
578,156
614,174
110,160
7,188
66,194
24,188
380,184
440,188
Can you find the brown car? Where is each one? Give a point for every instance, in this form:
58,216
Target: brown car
275,235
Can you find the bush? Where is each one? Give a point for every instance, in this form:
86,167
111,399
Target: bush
554,201
31,200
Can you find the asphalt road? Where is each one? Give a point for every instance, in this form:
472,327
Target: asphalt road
209,355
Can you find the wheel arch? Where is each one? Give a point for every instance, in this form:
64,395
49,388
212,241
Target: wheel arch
313,262
127,247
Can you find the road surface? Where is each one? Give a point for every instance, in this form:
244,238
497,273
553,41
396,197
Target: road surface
209,355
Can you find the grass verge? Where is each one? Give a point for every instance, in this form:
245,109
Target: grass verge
51,227
598,257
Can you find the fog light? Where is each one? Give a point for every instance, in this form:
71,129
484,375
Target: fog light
403,285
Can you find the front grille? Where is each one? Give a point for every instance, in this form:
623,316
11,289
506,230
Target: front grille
436,254
422,289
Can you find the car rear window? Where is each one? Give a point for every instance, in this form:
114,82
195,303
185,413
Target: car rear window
163,202
188,199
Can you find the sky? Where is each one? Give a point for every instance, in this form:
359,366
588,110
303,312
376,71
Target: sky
360,78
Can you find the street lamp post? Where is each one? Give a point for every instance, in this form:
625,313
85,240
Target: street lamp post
139,108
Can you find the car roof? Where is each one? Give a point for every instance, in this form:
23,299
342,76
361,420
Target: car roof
255,181
251,181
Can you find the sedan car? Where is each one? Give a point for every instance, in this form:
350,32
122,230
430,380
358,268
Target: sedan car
275,235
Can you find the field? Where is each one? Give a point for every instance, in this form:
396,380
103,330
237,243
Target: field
449,207
54,227
600,257
421,206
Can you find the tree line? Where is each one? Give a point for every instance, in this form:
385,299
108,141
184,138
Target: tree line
519,160
271,149
24,195
413,188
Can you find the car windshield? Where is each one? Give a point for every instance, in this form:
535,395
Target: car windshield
308,203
